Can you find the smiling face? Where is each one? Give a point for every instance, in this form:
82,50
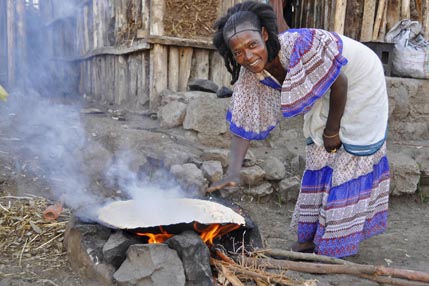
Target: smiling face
249,49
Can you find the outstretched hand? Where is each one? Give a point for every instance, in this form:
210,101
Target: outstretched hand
228,181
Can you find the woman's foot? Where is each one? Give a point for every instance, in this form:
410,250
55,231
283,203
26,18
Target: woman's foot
305,247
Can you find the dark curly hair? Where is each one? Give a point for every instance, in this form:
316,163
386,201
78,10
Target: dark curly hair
265,17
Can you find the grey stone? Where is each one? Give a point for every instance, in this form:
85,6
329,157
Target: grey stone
252,176
172,114
206,115
203,85
259,191
274,169
212,170
151,265
84,244
115,248
184,96
289,188
405,174
190,178
220,155
195,257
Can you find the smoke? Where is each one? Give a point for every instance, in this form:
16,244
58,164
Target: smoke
51,134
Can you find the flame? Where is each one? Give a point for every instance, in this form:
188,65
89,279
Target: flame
207,234
156,237
212,231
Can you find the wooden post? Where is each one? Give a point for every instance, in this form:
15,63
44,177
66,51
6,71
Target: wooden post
393,13
185,63
383,24
158,74
201,63
405,9
173,68
367,21
340,15
426,19
378,18
159,54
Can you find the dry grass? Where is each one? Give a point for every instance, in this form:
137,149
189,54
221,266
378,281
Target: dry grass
26,237
190,19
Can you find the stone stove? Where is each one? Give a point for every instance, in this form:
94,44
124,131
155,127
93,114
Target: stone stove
120,257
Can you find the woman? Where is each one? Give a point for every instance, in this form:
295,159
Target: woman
339,86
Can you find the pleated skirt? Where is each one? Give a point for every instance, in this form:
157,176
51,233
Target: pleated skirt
343,200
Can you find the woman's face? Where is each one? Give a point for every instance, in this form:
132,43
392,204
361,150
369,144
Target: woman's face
249,49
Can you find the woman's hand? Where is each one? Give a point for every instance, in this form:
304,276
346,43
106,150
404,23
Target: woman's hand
331,142
227,181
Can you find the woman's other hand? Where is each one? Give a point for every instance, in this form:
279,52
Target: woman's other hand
331,141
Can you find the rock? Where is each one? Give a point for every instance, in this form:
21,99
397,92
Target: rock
172,114
212,171
252,176
224,92
84,244
220,155
274,169
259,191
203,85
151,265
184,96
405,174
289,188
206,115
195,257
190,178
115,248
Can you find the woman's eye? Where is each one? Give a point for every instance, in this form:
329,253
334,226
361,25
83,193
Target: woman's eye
252,45
236,54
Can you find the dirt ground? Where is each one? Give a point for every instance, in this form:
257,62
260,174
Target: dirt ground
404,245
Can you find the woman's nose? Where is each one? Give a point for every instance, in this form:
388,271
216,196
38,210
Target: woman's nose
247,54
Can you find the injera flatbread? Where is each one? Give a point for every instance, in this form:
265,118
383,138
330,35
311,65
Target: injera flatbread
131,214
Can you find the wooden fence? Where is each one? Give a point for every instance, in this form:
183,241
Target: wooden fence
126,52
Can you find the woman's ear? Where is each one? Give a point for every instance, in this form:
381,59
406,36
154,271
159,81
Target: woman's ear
264,34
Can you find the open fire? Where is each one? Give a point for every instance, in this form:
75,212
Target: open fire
207,233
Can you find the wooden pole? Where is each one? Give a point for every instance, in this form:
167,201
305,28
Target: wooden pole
340,16
367,21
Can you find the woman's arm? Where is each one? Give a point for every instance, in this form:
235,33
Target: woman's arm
337,103
238,150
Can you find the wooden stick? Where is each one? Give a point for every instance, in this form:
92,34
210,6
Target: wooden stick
286,254
230,277
354,269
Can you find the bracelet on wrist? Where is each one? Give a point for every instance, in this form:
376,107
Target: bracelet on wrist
330,136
